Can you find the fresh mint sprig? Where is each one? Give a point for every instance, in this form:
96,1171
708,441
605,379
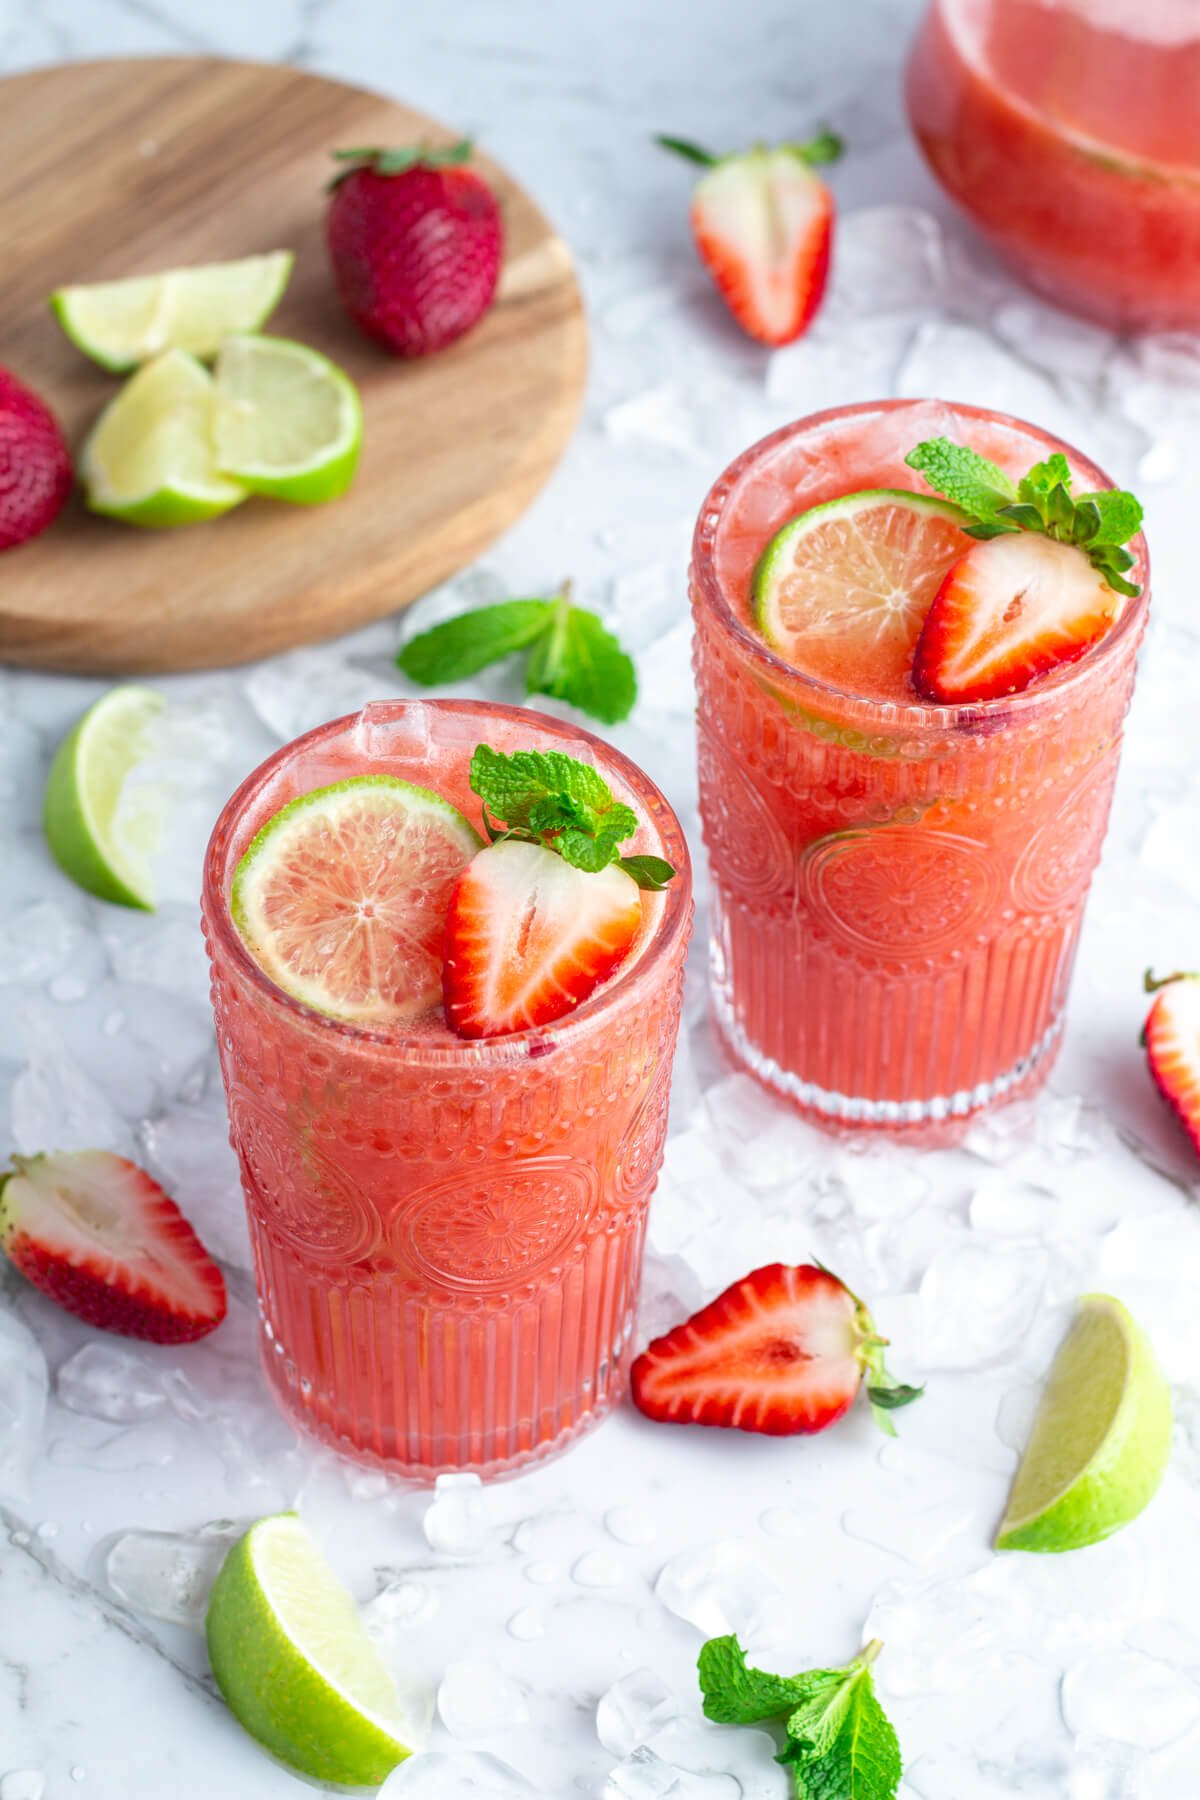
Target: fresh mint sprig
1098,524
839,1742
544,797
573,655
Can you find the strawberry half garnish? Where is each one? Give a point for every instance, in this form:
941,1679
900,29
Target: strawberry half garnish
100,1238
763,224
783,1351
528,937
1008,611
1172,1040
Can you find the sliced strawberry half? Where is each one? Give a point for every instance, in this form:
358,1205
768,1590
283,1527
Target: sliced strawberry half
783,1351
1172,1040
529,937
763,224
97,1235
1011,609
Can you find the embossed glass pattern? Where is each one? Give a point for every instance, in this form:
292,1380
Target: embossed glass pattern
447,1235
897,887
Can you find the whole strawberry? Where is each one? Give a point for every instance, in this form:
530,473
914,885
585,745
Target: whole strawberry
763,225
416,242
35,464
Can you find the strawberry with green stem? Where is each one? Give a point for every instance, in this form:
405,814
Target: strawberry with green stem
763,224
783,1351
1044,583
1171,1037
550,909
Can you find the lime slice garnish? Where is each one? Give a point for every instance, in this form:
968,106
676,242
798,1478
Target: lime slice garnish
286,421
120,324
342,897
149,460
843,589
1100,1440
295,1665
83,793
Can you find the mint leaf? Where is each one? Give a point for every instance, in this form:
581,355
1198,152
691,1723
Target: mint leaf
1054,472
840,1743
735,1694
650,872
474,640
1120,515
580,661
969,480
548,798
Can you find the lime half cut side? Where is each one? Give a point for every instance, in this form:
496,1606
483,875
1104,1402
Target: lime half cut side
1101,1438
149,460
120,324
286,421
842,591
342,897
82,813
296,1666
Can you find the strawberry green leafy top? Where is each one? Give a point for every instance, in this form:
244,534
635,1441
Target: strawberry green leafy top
1099,524
840,1744
545,797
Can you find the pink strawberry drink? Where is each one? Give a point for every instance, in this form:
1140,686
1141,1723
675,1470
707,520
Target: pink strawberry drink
898,886
447,1234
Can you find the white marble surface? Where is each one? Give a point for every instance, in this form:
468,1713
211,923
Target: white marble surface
1060,1679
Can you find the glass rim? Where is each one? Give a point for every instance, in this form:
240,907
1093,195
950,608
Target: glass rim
919,716
514,1047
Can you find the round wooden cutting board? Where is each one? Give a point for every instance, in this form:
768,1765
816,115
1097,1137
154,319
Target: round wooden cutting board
127,167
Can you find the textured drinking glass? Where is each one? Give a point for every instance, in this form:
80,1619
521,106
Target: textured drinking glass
897,887
1070,131
447,1235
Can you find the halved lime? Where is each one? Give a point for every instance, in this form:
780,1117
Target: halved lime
286,421
843,589
80,811
1101,1438
295,1665
149,460
120,324
342,897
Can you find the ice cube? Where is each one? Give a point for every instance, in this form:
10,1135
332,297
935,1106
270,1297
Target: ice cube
646,1776
454,1521
104,1381
719,1588
977,1303
598,1569
24,1385
526,1625
645,606
165,952
657,417
634,1710
398,1607
889,259
1123,1695
456,1775
630,1525
477,1699
665,680
169,1574
22,1784
293,693
55,1104
36,942
918,1531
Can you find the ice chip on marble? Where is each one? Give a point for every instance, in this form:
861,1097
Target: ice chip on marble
55,1104
665,679
657,417
291,694
36,942
644,606
719,1588
22,1784
24,1386
398,1607
889,259
476,1699
916,1530
169,1574
977,1303
457,1775
598,1569
630,1525
165,952
634,1710
454,1521
525,1625
647,1776
105,1381
1128,1697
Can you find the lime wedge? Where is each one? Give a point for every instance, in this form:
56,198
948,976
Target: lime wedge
149,460
120,324
295,1665
843,589
1100,1440
80,812
342,897
286,422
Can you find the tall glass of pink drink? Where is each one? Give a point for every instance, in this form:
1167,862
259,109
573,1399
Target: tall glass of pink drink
1070,131
447,1234
897,886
